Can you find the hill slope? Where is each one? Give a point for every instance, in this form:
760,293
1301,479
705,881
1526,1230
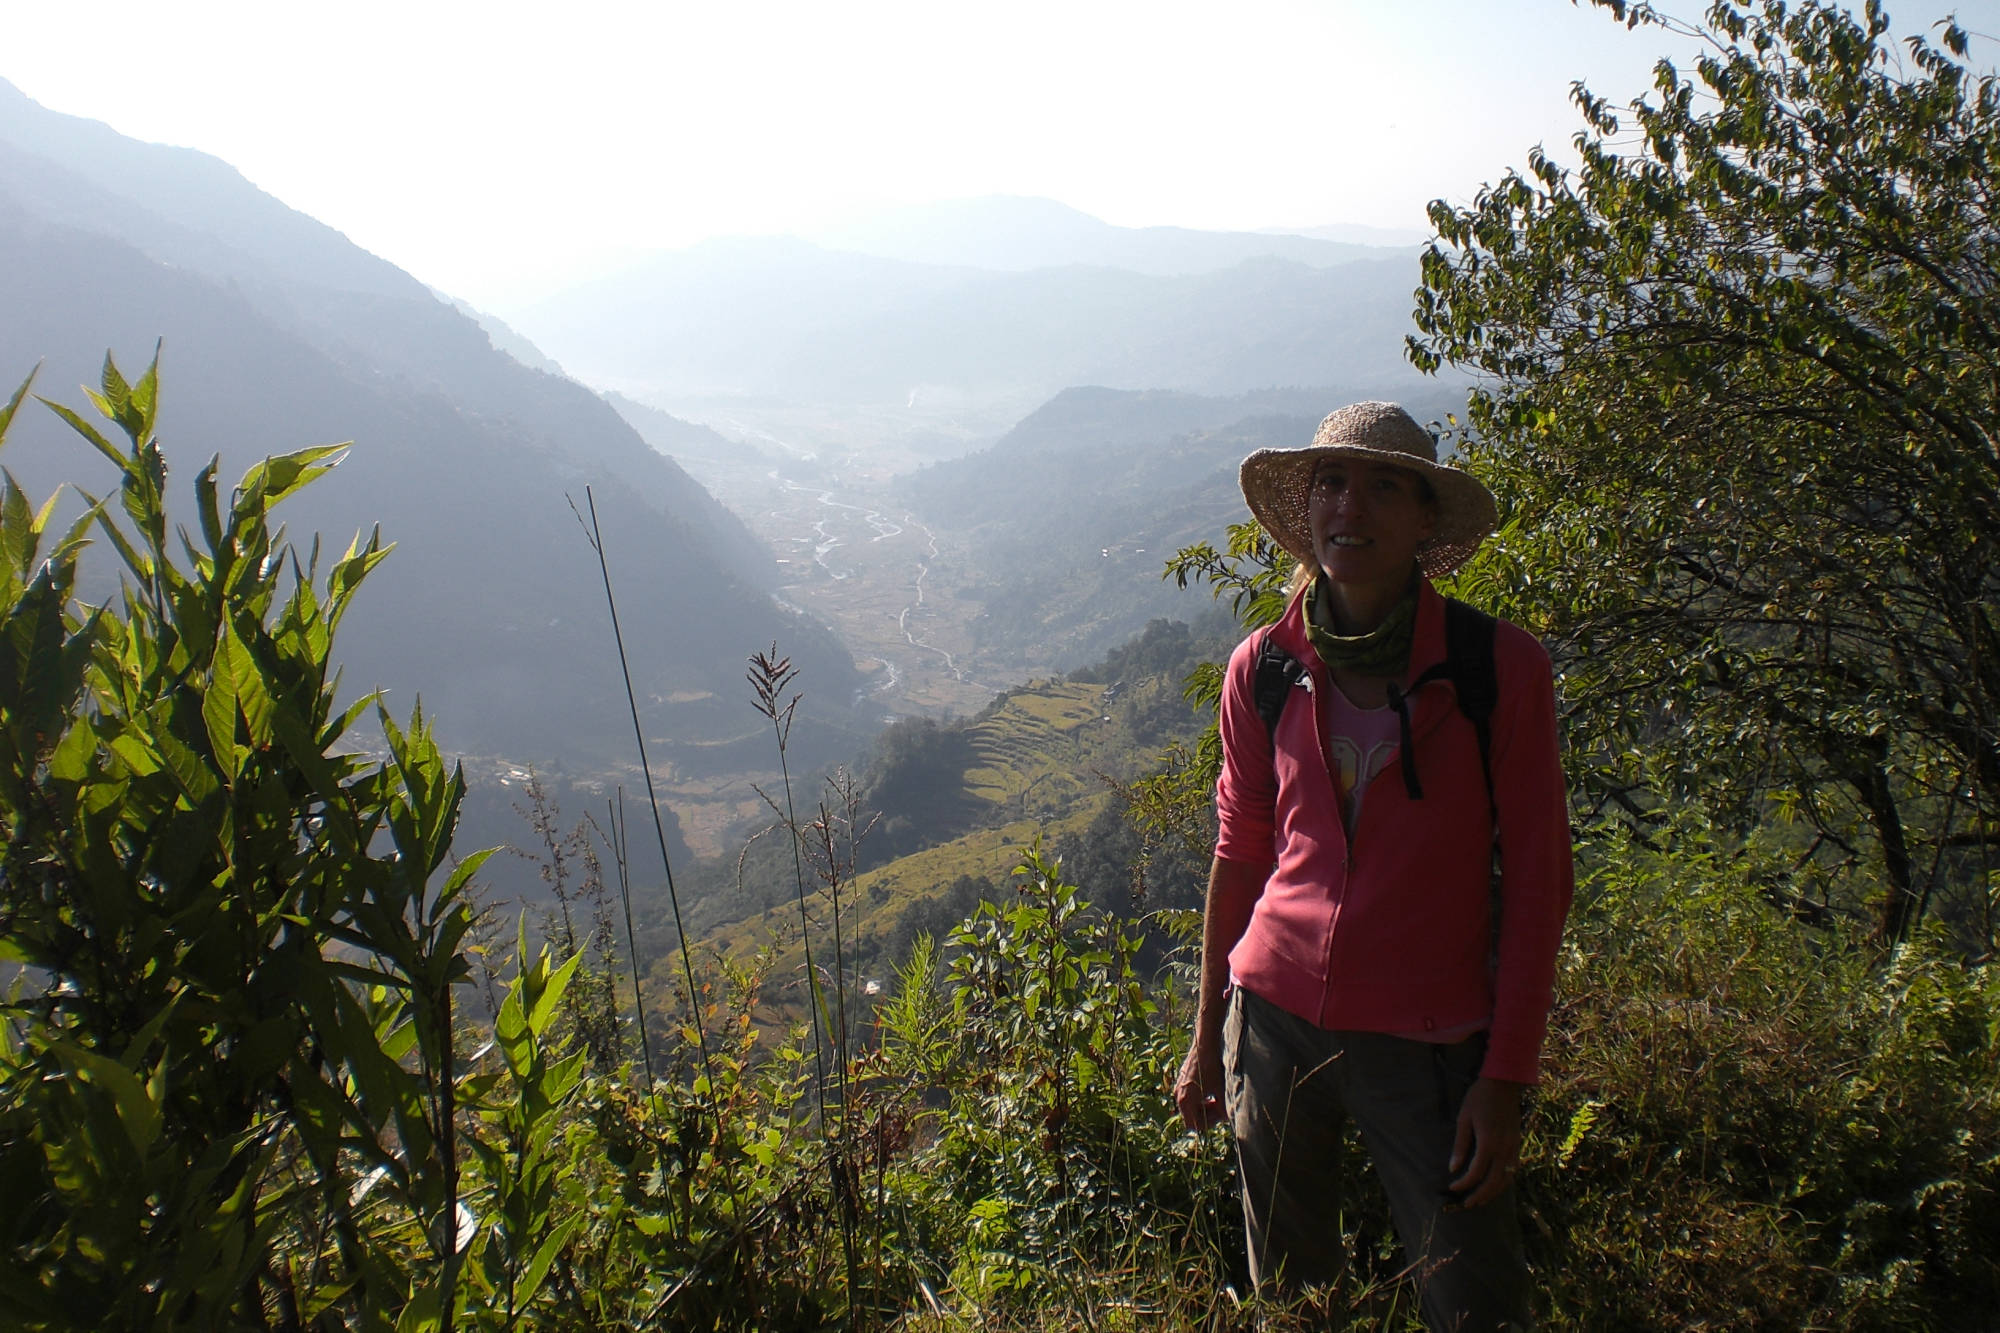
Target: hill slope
279,333
1062,527
949,806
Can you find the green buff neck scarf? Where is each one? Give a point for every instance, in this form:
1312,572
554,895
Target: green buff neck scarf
1382,651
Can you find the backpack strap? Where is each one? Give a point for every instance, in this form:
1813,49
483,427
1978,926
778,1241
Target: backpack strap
1468,665
1277,672
1468,655
1468,639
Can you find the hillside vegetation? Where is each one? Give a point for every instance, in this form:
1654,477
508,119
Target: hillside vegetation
1029,767
936,818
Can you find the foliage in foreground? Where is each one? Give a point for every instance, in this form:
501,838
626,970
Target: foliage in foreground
1747,1123
226,1073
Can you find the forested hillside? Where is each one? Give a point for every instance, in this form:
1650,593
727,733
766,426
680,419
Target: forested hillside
939,810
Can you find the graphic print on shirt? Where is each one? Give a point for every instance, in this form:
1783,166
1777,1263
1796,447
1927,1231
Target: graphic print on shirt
1361,742
1353,770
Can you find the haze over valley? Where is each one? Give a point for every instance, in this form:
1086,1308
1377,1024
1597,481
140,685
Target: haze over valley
929,457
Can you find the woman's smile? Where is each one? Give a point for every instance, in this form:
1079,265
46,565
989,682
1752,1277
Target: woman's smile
1368,519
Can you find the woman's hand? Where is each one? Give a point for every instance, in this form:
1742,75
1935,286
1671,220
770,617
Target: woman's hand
1198,1089
1488,1143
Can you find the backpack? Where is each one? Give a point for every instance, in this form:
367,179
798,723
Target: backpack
1468,665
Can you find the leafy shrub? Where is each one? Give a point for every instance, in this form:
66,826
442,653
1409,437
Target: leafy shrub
1747,1123
1057,1149
226,1083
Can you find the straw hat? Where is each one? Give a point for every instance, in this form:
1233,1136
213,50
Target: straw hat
1277,482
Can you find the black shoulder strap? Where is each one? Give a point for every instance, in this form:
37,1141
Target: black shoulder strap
1468,654
1277,672
1468,665
1468,651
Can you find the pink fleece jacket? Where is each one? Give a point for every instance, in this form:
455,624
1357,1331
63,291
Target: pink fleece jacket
1390,931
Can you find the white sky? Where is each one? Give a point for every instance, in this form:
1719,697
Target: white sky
498,148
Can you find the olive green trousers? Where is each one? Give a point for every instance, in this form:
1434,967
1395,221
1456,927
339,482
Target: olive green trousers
1290,1088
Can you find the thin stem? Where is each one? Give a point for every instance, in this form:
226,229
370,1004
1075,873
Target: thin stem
815,996
617,818
773,679
448,1150
653,802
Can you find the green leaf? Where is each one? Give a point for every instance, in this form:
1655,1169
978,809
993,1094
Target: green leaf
137,752
145,394
138,1114
544,1256
89,432
219,707
18,529
512,1035
247,683
276,478
462,874
14,404
196,780
140,565
207,506
421,1315
544,1011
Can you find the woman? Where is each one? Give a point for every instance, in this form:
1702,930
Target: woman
1358,959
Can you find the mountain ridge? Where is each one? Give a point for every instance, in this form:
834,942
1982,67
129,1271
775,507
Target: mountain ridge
1017,233
783,319
460,451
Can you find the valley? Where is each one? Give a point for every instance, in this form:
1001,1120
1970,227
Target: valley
852,557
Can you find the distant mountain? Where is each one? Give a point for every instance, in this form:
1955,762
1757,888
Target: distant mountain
1351,233
1070,518
1016,234
686,442
279,333
781,318
503,337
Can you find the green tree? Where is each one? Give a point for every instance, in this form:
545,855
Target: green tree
227,1093
1739,403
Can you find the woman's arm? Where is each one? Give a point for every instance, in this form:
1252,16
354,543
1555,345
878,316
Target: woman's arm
1536,864
1233,890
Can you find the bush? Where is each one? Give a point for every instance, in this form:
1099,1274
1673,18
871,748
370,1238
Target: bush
226,1075
1748,1123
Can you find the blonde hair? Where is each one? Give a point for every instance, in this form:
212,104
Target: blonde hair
1302,576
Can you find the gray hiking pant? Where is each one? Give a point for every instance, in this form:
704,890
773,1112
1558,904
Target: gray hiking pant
1289,1087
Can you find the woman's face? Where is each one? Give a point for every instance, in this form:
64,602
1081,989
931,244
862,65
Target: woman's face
1368,519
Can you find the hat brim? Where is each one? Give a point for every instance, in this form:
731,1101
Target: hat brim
1277,484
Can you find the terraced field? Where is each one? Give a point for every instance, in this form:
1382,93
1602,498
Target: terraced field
1034,750
873,904
1039,759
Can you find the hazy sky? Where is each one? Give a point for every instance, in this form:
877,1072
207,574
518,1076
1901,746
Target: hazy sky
498,148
